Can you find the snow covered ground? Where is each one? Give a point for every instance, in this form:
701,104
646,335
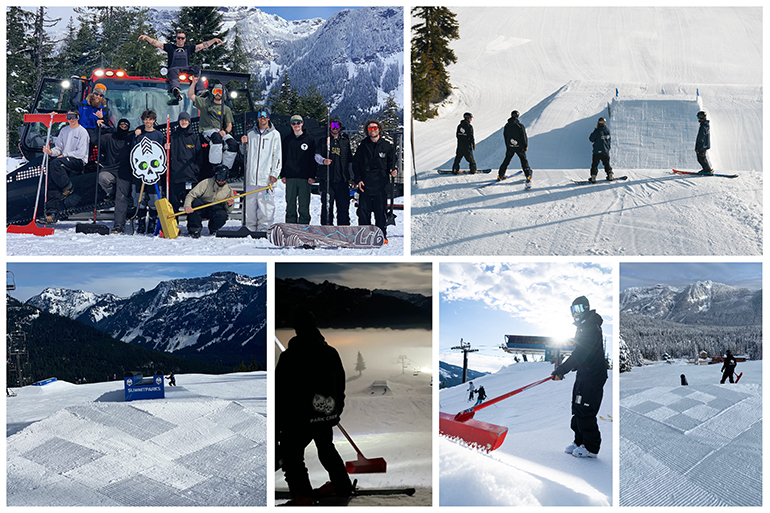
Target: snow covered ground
396,426
65,241
695,445
530,468
82,445
560,68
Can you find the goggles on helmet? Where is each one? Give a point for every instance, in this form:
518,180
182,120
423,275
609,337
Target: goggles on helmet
72,115
335,126
262,114
217,90
578,309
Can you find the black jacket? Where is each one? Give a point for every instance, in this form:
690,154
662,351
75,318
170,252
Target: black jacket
115,150
465,135
515,135
298,156
703,141
588,356
186,155
372,164
601,139
309,383
341,156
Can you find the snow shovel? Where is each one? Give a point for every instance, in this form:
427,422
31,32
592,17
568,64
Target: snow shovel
481,434
737,376
166,214
363,465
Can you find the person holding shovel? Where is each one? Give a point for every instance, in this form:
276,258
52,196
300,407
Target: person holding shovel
208,191
309,399
728,367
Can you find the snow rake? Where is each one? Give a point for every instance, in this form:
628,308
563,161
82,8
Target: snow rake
167,216
475,432
363,465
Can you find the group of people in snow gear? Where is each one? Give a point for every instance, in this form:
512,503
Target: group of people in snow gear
728,367
588,360
309,400
515,137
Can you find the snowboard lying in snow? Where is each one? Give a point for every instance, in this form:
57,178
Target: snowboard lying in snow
311,236
344,501
678,172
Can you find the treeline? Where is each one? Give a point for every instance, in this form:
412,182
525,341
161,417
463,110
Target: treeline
649,338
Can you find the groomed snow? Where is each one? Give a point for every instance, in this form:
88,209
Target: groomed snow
530,468
694,445
560,68
82,445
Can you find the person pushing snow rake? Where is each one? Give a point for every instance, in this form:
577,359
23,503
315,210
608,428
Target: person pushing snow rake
588,360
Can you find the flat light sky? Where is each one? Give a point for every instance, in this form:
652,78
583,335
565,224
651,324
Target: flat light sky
415,277
121,279
741,275
481,303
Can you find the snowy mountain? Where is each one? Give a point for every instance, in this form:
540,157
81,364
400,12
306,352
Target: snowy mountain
220,317
705,303
452,375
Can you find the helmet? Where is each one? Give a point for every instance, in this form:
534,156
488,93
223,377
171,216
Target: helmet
701,115
515,114
220,174
467,115
579,307
602,121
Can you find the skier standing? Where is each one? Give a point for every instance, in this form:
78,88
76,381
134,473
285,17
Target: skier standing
373,162
481,396
702,144
588,360
728,367
515,135
465,144
262,149
602,142
472,389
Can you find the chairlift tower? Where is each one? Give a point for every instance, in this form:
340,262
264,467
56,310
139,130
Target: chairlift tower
465,347
17,361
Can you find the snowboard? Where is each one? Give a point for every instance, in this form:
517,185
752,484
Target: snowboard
462,171
678,172
499,181
310,236
586,182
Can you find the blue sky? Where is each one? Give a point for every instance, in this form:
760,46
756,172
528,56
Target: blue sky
742,275
121,279
408,277
481,303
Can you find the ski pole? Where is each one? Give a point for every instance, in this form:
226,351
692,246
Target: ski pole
468,414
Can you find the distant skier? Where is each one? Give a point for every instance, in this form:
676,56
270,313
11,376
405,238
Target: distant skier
588,359
472,389
171,380
309,399
602,142
728,367
481,395
465,144
702,144
515,135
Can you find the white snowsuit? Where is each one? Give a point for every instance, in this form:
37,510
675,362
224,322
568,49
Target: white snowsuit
263,160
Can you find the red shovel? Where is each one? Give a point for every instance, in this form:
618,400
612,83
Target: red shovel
363,465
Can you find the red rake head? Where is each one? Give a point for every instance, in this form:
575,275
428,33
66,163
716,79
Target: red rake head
31,228
366,466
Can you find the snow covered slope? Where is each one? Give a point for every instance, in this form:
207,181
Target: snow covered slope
560,68
81,445
530,468
695,445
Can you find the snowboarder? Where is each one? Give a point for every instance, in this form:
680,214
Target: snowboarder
728,367
465,144
602,142
702,144
481,395
515,135
588,359
298,172
309,399
171,379
215,125
261,147
472,389
338,166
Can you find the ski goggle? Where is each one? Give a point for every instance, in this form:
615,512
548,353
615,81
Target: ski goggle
296,122
335,126
217,90
577,310
72,115
372,128
263,114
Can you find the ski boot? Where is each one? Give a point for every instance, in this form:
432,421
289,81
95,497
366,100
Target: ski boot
141,222
455,171
329,490
152,222
501,178
610,176
528,182
570,448
592,179
582,452
177,93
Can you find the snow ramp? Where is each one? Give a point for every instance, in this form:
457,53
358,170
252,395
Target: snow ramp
379,387
654,133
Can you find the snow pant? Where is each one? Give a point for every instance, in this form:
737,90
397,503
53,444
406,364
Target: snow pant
173,77
470,397
179,192
122,198
604,158
728,374
703,160
586,399
509,153
107,182
297,201
376,204
59,170
293,443
259,208
339,195
478,401
216,214
467,154
222,150
144,204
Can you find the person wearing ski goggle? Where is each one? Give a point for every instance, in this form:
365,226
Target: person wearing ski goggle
335,157
217,91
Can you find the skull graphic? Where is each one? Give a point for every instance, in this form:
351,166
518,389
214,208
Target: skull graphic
323,404
148,160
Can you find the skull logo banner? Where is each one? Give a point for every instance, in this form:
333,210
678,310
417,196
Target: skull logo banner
148,161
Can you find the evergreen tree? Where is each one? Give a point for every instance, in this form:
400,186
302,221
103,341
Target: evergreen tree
391,116
430,56
360,365
20,76
201,24
312,105
136,57
284,100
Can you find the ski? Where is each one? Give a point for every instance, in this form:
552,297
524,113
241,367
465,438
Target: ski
678,172
462,171
586,182
498,180
359,492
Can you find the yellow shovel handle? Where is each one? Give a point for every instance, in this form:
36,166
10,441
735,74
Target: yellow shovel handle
268,186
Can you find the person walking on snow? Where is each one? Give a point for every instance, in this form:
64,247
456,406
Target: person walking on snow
472,389
702,144
515,135
481,396
588,360
465,144
728,367
602,142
